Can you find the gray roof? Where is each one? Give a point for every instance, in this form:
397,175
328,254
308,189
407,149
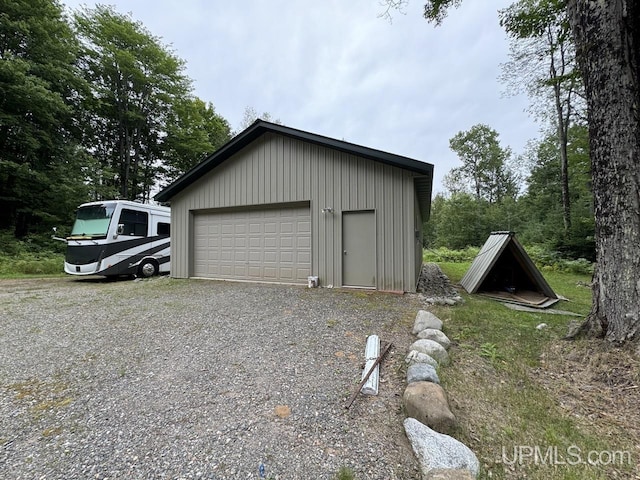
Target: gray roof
489,254
423,181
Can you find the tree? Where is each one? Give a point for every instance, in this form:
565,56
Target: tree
251,115
458,221
136,81
607,40
40,173
542,205
484,164
194,130
543,63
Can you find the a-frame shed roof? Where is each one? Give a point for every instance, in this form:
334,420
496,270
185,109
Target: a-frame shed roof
498,247
423,180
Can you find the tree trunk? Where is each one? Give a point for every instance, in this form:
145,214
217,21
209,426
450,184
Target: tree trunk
606,34
563,117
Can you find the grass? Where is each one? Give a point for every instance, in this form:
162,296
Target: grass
525,398
345,473
31,264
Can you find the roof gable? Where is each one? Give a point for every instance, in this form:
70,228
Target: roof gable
423,170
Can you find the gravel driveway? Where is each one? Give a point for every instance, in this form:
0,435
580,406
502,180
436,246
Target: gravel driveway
167,378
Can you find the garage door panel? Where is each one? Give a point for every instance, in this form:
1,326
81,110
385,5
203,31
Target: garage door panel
255,242
286,273
304,227
270,257
263,245
303,243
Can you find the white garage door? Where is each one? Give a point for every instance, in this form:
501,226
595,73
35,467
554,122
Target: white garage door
269,245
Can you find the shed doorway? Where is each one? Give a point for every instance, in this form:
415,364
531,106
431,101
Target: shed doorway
359,249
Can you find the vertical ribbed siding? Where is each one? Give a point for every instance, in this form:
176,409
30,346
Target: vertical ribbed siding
277,169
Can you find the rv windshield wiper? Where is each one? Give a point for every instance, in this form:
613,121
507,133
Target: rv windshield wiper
84,236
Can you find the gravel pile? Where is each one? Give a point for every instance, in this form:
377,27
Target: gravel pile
173,379
434,286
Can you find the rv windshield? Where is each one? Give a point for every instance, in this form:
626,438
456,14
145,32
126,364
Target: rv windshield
92,221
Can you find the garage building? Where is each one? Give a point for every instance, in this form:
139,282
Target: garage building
276,204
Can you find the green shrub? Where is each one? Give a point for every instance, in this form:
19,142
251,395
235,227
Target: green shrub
545,259
551,260
45,263
32,255
443,254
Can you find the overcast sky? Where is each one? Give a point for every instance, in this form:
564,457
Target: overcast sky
336,68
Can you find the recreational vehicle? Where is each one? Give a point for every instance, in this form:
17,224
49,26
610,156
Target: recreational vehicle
118,237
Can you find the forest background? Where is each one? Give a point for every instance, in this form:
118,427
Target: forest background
93,106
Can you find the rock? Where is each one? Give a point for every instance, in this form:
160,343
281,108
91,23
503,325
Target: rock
422,372
436,336
427,403
436,451
424,320
418,357
449,474
541,326
431,348
447,301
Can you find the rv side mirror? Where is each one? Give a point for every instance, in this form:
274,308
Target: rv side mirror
120,229
55,230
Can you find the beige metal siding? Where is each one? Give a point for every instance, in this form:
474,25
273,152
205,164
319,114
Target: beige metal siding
276,169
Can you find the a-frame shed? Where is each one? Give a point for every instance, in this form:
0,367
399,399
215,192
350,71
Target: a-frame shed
504,271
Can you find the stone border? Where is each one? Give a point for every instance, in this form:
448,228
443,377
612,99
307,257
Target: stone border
429,419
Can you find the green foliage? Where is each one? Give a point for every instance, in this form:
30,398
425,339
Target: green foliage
490,351
546,260
91,110
194,130
135,84
39,92
549,260
345,473
484,171
444,254
461,221
33,255
542,204
509,400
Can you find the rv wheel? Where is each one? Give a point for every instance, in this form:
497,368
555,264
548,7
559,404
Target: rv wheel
148,268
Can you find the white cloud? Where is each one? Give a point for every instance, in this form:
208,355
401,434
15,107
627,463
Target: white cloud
337,69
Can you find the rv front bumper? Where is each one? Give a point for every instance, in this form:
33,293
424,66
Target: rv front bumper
88,269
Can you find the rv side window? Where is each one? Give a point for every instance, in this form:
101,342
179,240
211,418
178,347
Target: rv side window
135,223
164,228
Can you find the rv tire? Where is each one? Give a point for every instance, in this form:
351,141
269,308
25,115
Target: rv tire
148,268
